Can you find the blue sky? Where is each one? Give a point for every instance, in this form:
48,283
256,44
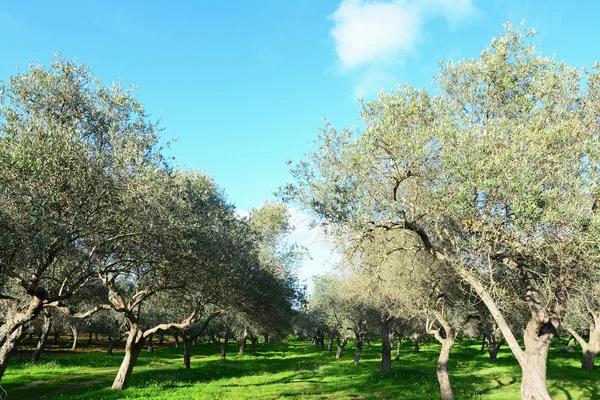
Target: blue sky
244,84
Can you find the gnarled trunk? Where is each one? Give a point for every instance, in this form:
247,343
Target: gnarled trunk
340,347
37,354
133,348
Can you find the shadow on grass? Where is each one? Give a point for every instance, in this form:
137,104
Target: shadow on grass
296,369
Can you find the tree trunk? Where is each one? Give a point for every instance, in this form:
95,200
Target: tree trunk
266,342
533,367
590,348
133,348
75,337
341,347
90,339
176,336
442,368
243,340
398,348
56,337
111,346
161,338
254,341
7,348
330,345
417,344
359,345
224,348
37,354
386,348
187,345
150,344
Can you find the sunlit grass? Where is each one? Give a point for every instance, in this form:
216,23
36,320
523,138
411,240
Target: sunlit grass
291,370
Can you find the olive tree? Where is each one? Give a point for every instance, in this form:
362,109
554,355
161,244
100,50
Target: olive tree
66,142
495,169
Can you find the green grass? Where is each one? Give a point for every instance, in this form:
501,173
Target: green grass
290,370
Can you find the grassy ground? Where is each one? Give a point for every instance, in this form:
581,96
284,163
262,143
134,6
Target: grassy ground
289,370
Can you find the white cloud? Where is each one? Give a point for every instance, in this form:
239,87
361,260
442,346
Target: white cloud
366,32
377,35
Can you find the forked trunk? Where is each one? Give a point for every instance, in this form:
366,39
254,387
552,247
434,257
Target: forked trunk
37,354
133,348
340,347
386,348
187,345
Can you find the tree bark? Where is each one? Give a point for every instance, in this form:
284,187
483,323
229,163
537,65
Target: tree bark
417,344
590,348
254,341
150,344
537,344
330,345
161,338
340,347
398,348
266,342
37,354
111,346
442,368
386,348
75,337
133,348
187,344
224,348
176,336
89,342
243,340
359,344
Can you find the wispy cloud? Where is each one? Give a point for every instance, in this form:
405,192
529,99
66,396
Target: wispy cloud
380,34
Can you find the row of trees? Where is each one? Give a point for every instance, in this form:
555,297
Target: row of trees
93,217
479,195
